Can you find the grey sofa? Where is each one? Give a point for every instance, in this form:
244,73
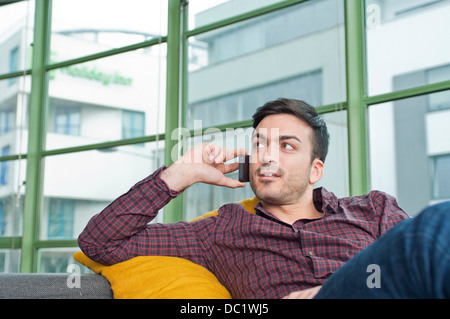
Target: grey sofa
53,286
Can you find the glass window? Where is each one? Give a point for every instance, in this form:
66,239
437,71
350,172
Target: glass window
58,260
16,35
335,174
13,63
107,99
60,218
14,102
9,260
406,142
12,193
405,36
85,27
67,120
13,133
6,121
14,60
4,166
441,100
203,12
80,185
133,124
235,107
441,180
2,220
271,29
272,56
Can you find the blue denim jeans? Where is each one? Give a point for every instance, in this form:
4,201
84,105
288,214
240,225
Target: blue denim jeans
412,260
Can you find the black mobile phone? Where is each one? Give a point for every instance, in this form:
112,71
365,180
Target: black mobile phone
244,163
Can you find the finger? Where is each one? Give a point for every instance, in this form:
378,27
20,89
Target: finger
303,294
230,168
210,152
231,183
293,295
226,154
233,153
220,156
216,154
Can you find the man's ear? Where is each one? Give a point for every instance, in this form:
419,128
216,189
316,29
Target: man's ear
316,171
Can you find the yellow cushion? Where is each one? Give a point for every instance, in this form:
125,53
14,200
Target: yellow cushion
249,205
160,277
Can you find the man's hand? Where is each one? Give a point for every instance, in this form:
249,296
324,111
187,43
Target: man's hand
204,163
304,294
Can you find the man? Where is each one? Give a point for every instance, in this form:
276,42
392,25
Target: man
298,237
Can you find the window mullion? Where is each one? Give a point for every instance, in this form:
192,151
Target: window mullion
35,133
173,211
356,93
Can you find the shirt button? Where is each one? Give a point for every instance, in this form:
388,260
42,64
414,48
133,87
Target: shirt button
311,253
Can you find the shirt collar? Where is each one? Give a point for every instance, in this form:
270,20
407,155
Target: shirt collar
261,211
325,202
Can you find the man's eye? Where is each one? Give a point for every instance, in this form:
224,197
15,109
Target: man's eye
287,146
259,145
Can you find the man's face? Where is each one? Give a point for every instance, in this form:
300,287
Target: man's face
281,170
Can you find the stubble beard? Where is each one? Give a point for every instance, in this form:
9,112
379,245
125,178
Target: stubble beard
288,192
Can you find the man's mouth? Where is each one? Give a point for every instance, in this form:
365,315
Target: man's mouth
269,174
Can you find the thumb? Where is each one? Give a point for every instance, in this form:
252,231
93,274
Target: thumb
231,183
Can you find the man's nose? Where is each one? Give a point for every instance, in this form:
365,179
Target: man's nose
270,154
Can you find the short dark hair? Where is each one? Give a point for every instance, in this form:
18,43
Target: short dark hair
304,112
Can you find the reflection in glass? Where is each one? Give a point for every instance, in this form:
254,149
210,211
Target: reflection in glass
403,37
80,185
199,14
13,140
296,52
84,27
409,151
335,174
16,35
113,98
12,191
57,260
441,185
441,100
9,260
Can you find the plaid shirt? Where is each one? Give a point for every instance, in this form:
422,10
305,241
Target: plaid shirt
252,255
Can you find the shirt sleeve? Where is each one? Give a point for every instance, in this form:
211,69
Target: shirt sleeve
123,230
387,208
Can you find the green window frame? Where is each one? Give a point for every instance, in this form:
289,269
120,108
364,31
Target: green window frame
178,34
